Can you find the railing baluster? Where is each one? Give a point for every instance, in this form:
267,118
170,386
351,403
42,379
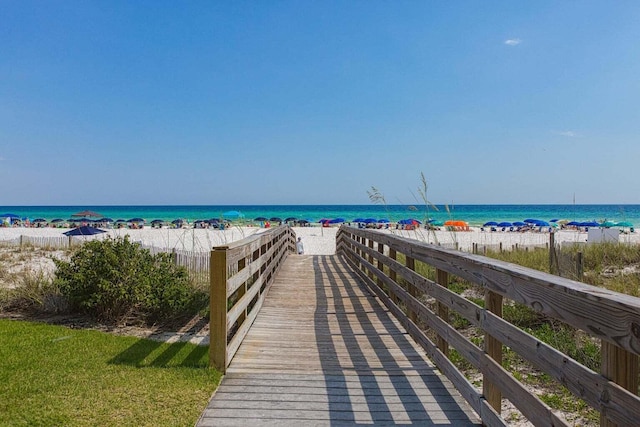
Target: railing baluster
493,347
442,278
621,367
411,265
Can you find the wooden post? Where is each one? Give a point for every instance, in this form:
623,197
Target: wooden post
442,278
411,265
621,367
552,254
218,309
493,347
579,266
392,274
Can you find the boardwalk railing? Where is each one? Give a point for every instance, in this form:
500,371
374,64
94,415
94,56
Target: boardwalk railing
610,317
241,274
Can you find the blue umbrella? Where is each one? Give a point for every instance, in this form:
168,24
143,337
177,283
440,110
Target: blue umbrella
409,221
490,224
519,224
505,224
531,220
10,215
370,221
574,223
541,223
233,215
358,220
85,230
336,221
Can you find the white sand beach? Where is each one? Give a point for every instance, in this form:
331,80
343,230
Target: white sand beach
317,240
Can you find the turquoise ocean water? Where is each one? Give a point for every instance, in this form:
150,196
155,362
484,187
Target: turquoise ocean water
473,214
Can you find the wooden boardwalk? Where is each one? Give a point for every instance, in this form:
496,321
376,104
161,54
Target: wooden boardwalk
324,352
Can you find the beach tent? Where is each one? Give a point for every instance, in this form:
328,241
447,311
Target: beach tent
85,230
90,214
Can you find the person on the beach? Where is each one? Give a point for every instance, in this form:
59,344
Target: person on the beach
299,246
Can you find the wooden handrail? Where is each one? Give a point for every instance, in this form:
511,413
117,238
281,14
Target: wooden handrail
241,274
611,317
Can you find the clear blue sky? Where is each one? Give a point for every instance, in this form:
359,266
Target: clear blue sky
314,102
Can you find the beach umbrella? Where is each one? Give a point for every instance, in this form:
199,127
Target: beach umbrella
275,219
409,221
87,214
260,218
336,221
157,221
541,223
57,220
137,220
10,216
608,224
370,220
85,230
490,224
105,220
519,224
177,221
290,219
383,221
303,221
233,215
358,220
214,221
505,224
531,220
624,224
323,221
437,223
39,220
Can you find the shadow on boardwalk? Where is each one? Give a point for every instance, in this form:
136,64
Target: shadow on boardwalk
323,351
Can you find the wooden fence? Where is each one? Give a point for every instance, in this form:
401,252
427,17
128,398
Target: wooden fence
241,275
610,317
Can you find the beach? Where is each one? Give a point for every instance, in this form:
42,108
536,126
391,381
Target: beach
316,240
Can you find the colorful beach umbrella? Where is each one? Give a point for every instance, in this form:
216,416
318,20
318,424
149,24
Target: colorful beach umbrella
624,224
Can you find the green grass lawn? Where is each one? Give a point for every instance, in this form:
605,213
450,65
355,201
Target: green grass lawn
56,376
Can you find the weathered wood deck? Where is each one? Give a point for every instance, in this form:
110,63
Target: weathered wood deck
323,351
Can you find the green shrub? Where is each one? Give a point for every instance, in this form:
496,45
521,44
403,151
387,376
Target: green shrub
115,279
